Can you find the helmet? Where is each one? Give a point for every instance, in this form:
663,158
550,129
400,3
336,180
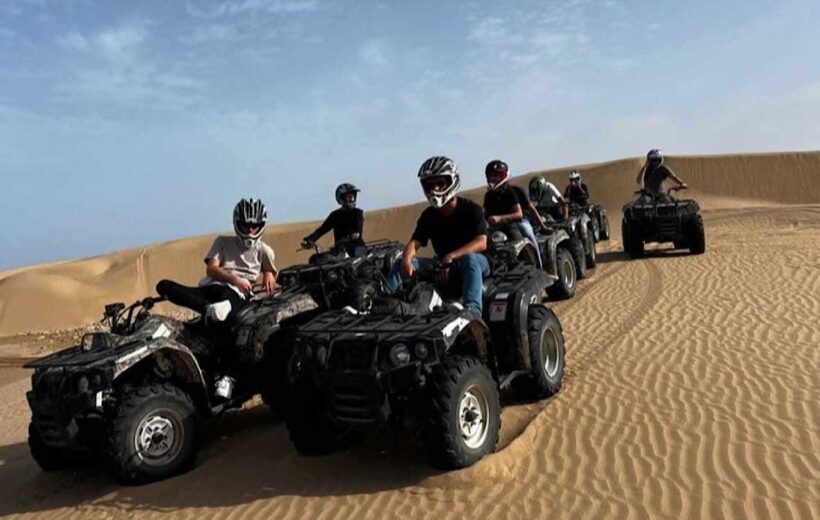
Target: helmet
537,187
498,167
249,212
575,176
654,156
439,167
344,189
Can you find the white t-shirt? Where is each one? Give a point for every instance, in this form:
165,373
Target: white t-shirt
246,262
550,197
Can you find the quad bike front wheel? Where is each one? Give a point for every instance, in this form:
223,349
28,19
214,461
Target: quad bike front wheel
591,255
564,287
311,429
632,240
696,235
152,434
464,413
49,458
546,349
603,228
576,249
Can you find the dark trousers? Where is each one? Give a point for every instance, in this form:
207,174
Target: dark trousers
198,298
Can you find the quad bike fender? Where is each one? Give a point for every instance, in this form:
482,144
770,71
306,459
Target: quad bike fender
551,247
169,355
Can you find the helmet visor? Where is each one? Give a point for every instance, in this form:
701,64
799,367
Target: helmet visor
437,184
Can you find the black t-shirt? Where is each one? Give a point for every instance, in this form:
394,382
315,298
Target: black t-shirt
448,233
500,202
653,178
523,200
577,194
344,222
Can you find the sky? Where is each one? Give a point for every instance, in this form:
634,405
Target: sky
128,123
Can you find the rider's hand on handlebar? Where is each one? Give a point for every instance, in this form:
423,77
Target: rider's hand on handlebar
243,285
683,186
407,268
269,282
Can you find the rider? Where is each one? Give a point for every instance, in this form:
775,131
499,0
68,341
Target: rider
652,176
232,266
504,203
576,191
346,222
457,229
545,195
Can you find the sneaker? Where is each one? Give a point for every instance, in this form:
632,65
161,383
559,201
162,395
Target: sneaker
218,311
474,313
224,387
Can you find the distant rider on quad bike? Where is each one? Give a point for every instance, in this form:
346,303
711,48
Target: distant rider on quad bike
652,176
504,204
576,191
233,265
346,223
546,196
457,229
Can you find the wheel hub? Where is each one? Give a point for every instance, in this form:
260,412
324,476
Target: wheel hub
156,439
473,415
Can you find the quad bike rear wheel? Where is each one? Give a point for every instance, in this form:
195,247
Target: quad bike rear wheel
576,249
546,349
632,240
564,287
591,254
464,413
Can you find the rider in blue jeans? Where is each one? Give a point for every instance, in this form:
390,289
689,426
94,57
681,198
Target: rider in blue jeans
457,230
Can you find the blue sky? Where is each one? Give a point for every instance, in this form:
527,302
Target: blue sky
126,123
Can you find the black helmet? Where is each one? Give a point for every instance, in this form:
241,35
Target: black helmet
344,189
439,167
654,157
499,167
249,212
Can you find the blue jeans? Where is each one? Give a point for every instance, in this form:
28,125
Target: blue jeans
529,232
470,270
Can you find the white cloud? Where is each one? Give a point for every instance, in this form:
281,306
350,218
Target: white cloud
372,54
211,33
237,7
114,43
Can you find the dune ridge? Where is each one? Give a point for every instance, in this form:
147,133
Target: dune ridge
69,293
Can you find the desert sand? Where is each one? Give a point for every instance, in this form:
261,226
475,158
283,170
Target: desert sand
691,390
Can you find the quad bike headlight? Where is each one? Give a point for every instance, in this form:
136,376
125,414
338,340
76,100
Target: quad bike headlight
399,354
499,237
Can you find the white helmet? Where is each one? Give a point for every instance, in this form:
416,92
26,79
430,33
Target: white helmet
440,180
249,212
575,176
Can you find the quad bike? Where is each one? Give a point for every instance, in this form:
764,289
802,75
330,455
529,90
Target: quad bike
567,251
419,353
654,218
141,394
598,218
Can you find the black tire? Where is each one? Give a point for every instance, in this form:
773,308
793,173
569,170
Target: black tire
633,241
564,287
49,458
680,244
696,235
311,429
274,379
604,232
591,254
576,249
546,347
461,386
167,411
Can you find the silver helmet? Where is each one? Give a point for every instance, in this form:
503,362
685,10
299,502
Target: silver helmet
440,180
249,213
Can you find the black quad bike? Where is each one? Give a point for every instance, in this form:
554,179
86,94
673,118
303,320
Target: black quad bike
419,353
654,218
598,218
568,251
141,394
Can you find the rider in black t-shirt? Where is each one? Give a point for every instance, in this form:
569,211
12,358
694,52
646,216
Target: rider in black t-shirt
346,223
457,230
576,191
652,176
504,204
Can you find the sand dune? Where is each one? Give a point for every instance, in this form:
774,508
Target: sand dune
68,293
691,388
